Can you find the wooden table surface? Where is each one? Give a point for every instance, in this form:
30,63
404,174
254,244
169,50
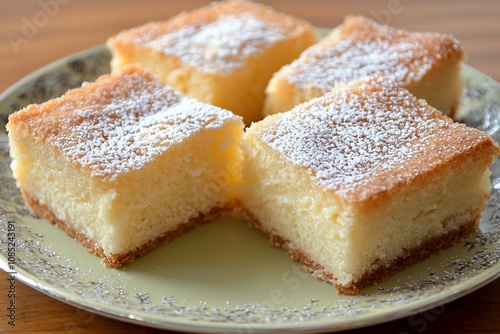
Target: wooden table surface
35,33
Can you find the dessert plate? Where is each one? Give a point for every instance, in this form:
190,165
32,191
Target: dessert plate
224,276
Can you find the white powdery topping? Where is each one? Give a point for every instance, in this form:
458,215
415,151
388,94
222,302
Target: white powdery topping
351,142
222,45
326,65
128,131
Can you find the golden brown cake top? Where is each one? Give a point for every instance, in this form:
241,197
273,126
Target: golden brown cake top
367,138
361,47
217,38
117,124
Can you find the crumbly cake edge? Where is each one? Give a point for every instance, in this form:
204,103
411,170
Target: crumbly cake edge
119,260
427,249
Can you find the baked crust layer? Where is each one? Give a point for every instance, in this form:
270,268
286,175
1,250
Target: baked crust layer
118,260
426,249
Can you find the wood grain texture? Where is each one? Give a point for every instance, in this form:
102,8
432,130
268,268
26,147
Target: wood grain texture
74,25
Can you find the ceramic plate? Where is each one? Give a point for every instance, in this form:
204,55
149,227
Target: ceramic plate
224,276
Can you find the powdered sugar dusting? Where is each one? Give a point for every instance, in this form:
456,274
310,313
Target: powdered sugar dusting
363,141
222,45
367,49
131,123
350,59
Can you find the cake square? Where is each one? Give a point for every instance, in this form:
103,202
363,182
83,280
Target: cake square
125,163
426,63
364,181
223,54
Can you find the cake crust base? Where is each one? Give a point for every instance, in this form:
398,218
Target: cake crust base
409,257
119,260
